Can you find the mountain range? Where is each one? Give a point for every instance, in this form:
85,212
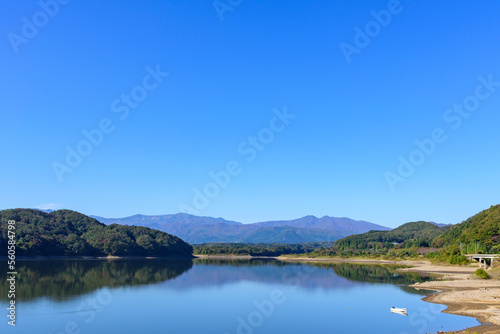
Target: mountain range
197,230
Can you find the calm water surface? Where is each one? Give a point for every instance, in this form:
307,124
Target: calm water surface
219,296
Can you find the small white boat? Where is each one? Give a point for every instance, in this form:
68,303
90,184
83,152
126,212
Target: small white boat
399,310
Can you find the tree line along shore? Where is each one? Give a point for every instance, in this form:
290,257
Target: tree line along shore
69,233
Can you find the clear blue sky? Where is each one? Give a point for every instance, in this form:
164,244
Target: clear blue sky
353,119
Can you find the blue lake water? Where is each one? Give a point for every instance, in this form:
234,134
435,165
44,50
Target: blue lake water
219,296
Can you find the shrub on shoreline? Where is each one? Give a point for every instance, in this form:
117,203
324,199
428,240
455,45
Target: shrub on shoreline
482,274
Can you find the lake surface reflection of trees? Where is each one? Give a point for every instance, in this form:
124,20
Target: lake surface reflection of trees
374,273
380,274
370,273
62,279
325,275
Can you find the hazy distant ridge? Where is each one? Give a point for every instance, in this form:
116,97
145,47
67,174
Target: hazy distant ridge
195,229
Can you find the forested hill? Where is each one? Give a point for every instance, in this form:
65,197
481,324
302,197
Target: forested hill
415,234
484,228
66,232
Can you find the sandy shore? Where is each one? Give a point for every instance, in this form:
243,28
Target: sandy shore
464,295
458,290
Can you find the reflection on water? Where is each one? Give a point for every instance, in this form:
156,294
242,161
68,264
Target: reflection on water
138,296
252,262
319,274
375,273
62,279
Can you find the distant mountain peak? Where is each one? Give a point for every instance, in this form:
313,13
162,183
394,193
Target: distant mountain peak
44,210
196,229
439,224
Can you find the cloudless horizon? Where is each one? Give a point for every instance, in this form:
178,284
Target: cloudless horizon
382,111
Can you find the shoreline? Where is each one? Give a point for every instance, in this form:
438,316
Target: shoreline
464,296
461,294
456,289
